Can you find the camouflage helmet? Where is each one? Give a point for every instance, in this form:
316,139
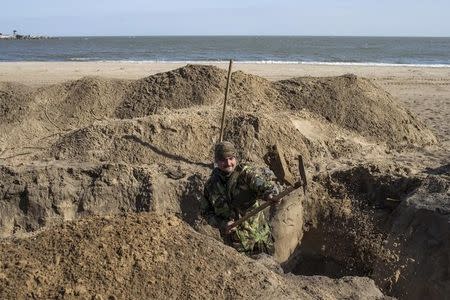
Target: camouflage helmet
223,150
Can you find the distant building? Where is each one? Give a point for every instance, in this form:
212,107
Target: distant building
6,36
16,36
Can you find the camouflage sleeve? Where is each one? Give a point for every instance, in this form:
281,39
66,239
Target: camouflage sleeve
257,182
208,213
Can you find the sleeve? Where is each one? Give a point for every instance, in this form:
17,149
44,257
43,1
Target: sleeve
261,186
208,213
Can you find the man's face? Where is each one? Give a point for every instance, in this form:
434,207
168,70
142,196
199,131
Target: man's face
227,164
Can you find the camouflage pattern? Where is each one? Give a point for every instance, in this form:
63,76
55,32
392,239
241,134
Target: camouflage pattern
231,197
223,150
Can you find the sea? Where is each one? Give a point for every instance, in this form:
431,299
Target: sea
410,51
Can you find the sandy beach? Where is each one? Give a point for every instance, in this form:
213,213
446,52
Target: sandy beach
423,90
39,73
86,145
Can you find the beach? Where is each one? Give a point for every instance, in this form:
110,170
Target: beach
107,161
423,90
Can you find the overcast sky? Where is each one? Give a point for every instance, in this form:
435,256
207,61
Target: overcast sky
231,17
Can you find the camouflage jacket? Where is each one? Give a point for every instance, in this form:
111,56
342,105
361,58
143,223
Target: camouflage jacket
231,197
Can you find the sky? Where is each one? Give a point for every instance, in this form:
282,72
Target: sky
231,17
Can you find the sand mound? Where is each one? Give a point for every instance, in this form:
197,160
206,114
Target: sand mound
149,257
252,93
40,115
180,88
356,104
76,103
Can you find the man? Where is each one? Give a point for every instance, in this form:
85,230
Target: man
233,190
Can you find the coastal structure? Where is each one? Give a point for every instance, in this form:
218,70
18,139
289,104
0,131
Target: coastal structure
6,36
16,36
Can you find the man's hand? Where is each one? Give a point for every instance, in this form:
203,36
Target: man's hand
272,195
227,230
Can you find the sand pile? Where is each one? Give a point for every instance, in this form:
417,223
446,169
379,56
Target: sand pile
347,101
356,104
152,257
76,103
104,147
180,88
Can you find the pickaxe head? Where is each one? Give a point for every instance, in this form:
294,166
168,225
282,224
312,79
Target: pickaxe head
279,166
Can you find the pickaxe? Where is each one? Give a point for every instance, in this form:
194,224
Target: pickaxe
277,198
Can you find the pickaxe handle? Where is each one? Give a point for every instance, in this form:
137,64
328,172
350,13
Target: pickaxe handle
262,207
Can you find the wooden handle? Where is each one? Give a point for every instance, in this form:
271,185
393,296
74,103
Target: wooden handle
262,207
225,101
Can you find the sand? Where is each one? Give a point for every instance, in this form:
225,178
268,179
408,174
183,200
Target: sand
122,141
423,90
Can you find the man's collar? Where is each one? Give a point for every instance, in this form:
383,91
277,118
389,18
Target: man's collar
222,175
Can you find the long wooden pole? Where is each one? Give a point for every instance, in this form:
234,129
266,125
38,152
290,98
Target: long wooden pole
225,101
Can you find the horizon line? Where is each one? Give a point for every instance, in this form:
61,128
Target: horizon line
247,35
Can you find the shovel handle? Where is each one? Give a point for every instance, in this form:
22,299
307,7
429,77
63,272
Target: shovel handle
225,101
262,207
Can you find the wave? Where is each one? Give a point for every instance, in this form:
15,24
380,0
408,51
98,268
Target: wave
84,59
269,62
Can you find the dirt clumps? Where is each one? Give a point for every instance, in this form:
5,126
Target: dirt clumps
374,185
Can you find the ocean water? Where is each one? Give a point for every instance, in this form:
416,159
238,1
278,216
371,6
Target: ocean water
428,51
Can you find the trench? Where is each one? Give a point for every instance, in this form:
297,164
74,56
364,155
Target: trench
327,253
337,246
350,243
